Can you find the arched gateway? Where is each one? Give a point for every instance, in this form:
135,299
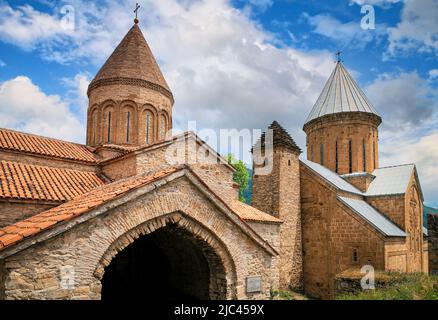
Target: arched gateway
163,236
170,257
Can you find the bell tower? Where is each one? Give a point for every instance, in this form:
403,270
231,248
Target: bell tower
342,128
130,102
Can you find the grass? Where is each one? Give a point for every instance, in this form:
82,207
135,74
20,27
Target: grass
415,286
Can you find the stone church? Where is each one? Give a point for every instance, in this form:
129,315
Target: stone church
116,219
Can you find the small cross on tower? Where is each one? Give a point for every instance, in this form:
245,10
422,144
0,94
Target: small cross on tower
136,13
338,55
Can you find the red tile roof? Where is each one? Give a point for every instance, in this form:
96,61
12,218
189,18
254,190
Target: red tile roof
250,213
24,142
29,182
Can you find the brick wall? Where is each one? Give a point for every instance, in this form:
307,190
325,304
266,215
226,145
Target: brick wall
343,127
119,100
11,212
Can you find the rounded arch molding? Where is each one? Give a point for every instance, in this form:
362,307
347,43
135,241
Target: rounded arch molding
196,229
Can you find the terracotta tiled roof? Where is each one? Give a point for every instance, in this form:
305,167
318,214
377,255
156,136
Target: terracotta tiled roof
82,204
23,142
249,213
29,182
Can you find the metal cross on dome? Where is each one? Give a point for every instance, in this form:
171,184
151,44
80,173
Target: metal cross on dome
137,7
338,55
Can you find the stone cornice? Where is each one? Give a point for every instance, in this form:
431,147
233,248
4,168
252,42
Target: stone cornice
130,82
335,118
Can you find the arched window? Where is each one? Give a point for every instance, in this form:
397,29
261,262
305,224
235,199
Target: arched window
374,155
148,127
109,127
364,153
350,155
94,128
337,157
128,125
321,153
163,127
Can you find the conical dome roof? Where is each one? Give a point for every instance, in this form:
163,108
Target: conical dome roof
132,62
341,94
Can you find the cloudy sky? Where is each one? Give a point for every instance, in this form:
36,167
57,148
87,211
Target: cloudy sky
231,64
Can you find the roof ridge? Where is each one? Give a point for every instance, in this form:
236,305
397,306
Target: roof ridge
397,165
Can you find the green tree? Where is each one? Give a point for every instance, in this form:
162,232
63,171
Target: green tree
241,176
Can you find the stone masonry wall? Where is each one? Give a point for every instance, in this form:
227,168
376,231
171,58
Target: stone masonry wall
432,224
278,193
334,238
392,207
34,273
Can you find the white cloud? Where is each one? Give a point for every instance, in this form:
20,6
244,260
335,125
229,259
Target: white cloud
349,34
382,3
23,106
2,64
417,30
77,93
433,74
405,100
224,69
409,133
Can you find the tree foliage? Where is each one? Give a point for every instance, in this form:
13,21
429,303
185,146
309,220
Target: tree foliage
241,176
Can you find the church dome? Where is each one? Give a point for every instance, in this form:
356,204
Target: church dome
341,94
132,62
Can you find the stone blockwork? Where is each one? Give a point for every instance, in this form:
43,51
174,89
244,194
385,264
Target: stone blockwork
336,239
329,136
333,238
34,273
278,193
432,224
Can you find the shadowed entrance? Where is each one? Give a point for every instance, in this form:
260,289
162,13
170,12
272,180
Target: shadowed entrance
169,264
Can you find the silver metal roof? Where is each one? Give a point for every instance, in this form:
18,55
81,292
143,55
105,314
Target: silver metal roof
331,177
374,217
390,180
341,94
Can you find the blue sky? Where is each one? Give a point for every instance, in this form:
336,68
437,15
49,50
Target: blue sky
231,64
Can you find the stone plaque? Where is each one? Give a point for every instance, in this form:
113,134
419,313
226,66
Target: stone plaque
253,284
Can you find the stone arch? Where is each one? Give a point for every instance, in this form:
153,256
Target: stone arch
94,123
223,276
163,125
148,124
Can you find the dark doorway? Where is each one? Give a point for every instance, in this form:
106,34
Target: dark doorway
168,264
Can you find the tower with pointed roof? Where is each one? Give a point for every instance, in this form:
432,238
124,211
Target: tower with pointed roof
130,102
342,128
276,190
